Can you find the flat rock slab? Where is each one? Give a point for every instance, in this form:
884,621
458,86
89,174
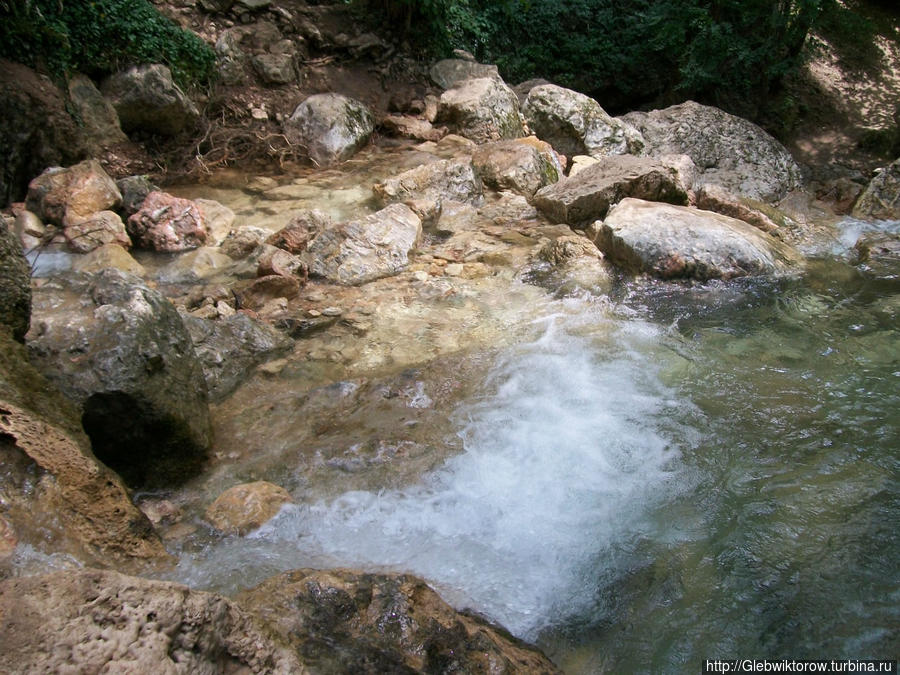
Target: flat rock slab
676,242
587,196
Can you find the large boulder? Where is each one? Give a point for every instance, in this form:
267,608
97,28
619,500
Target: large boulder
677,242
447,72
36,130
363,250
168,224
437,182
55,495
350,622
96,113
15,284
120,351
330,127
588,195
575,124
481,109
231,347
513,165
880,200
90,621
147,99
64,196
727,150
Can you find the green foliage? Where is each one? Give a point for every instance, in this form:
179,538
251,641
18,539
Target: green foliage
99,37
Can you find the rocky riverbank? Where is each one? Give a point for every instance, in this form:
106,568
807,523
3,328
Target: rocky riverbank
199,355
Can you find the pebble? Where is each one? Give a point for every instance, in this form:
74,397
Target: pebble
453,269
332,311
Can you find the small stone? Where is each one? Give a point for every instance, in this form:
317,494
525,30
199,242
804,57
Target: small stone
224,309
259,114
206,312
314,313
332,311
246,507
453,270
420,275
273,367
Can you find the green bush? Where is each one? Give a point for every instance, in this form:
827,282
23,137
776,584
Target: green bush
98,37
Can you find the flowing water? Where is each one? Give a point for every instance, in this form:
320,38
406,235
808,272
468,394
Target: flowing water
650,478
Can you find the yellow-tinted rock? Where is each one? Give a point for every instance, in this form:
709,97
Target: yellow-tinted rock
246,507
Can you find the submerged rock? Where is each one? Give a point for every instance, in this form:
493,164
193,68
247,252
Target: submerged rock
878,254
343,621
91,621
481,109
54,492
120,351
727,150
358,251
676,242
588,195
880,200
575,124
246,507
147,99
330,127
15,285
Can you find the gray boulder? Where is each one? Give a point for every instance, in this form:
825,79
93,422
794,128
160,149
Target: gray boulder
147,99
588,195
367,249
481,109
727,150
229,348
90,621
880,200
134,190
275,68
15,284
344,621
330,127
96,113
512,165
575,124
437,182
448,72
677,242
120,351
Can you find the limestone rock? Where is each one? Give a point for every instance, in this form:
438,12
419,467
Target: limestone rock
588,195
90,621
440,181
109,256
331,127
347,622
147,99
363,250
407,126
275,68
241,241
167,224
53,489
230,59
481,109
295,236
229,348
880,200
447,72
62,195
246,507
103,227
575,124
713,197
36,130
97,115
120,351
878,254
673,242
217,218
511,165
15,285
201,263
255,294
727,150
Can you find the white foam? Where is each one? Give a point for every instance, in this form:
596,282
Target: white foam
568,449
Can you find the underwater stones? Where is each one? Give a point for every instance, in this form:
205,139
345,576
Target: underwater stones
587,196
15,285
167,224
120,351
437,182
147,99
512,165
727,150
481,109
246,507
330,127
217,219
366,249
91,621
575,124
878,254
880,199
344,621
677,242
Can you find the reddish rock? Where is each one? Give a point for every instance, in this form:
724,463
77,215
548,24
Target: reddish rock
63,196
263,289
167,223
294,236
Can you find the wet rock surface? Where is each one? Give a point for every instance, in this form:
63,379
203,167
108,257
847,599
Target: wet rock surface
513,165
120,351
880,199
246,507
344,621
15,285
